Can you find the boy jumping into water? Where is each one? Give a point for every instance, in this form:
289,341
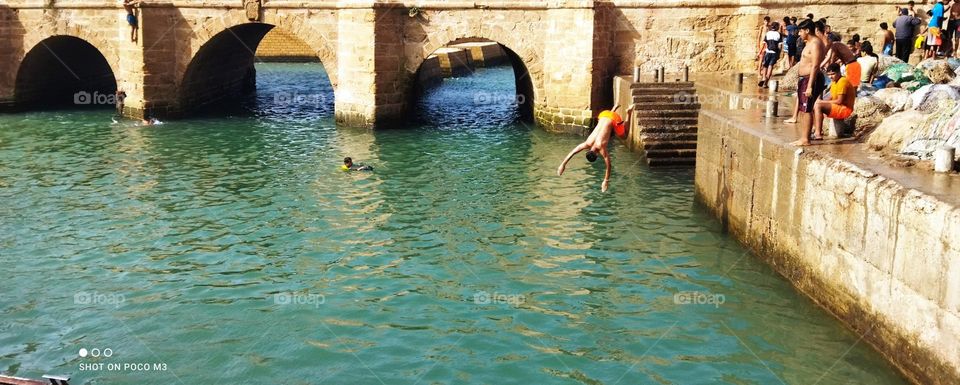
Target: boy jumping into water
609,122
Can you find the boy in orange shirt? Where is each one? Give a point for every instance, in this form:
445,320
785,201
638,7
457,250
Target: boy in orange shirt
843,96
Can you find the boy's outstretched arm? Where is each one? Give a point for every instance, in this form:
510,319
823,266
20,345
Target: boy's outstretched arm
563,165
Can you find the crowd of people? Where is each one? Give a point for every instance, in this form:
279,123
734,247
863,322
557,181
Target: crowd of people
823,59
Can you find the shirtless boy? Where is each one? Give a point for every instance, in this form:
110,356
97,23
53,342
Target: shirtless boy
811,83
609,122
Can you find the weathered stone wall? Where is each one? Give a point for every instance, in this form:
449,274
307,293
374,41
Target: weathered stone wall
281,46
566,50
880,256
721,35
483,54
454,62
430,74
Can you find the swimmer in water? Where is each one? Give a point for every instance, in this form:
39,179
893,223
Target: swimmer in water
608,123
348,165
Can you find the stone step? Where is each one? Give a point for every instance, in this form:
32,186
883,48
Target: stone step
648,121
647,114
673,85
671,98
663,91
667,162
672,153
677,105
668,129
646,136
669,144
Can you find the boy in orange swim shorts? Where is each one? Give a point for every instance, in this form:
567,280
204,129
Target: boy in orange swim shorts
843,96
608,123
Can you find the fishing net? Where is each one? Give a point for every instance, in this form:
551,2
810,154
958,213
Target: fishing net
895,130
896,99
954,63
938,71
937,129
903,72
918,134
789,80
869,111
885,62
929,97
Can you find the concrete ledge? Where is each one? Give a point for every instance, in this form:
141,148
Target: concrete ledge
877,246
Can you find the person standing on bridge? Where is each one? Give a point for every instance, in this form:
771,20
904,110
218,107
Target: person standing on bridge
608,123
132,17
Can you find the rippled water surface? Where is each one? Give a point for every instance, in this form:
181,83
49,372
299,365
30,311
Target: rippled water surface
233,250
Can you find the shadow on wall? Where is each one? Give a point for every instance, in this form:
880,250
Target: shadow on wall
624,36
222,71
11,32
64,71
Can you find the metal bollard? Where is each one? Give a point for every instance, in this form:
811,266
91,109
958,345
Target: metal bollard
636,74
739,82
774,86
686,73
943,159
772,106
656,74
662,74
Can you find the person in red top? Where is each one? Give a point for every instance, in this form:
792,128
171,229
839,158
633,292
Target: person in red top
608,124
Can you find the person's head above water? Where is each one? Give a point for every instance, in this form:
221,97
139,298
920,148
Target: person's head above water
348,161
591,156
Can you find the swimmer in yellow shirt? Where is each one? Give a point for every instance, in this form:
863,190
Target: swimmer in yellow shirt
348,165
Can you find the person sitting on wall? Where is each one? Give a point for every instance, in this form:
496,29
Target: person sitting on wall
608,123
348,165
843,96
132,17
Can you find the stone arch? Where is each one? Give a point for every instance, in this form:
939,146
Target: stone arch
221,68
529,56
294,22
59,69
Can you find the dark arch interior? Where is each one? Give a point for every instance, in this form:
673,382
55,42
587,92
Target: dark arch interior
222,79
59,70
522,79
222,71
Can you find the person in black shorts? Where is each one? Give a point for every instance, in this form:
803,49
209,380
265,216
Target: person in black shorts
772,41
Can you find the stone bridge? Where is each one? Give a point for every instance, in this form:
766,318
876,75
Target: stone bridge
191,53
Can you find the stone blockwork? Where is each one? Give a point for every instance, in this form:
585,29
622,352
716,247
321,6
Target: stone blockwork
483,54
881,256
281,46
564,52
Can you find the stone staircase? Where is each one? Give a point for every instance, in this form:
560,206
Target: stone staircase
666,122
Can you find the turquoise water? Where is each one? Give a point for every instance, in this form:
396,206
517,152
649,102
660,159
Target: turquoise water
233,250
